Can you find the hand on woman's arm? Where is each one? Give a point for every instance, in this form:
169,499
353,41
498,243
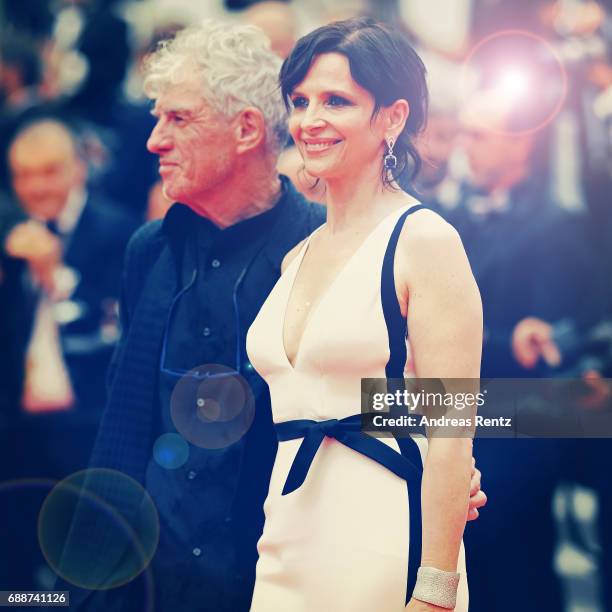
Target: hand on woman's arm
445,329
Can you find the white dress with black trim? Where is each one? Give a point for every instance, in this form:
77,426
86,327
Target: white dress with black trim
343,519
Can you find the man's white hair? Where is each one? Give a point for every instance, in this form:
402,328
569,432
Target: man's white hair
236,66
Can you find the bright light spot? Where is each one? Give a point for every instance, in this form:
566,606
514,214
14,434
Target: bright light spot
513,82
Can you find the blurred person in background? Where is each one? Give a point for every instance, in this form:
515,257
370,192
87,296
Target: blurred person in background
12,339
582,148
32,17
506,217
20,72
597,145
437,183
530,259
278,21
584,175
437,144
114,128
24,26
69,244
20,78
61,255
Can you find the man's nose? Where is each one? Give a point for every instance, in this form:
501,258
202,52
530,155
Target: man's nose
159,140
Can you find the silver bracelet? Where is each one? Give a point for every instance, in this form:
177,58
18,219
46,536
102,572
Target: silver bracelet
436,587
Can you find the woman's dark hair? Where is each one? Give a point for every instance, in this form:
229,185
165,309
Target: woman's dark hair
381,61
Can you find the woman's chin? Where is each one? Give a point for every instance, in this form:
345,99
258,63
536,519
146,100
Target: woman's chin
318,171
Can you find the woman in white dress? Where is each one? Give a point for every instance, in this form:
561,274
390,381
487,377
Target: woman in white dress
351,518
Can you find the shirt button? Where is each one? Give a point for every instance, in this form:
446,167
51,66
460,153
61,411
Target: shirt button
191,474
196,551
215,263
248,366
206,332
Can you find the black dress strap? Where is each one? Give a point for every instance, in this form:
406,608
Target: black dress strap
397,332
396,324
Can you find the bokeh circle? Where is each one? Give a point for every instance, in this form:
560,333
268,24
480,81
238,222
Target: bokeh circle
98,529
526,59
171,451
212,406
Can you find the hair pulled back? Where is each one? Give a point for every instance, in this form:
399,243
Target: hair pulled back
383,62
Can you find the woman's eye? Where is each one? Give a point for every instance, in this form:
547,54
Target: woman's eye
299,102
337,101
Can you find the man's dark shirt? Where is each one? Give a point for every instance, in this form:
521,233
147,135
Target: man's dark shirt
195,500
210,508
204,323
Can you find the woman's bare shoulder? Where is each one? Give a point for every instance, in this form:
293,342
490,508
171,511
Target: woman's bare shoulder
427,226
428,242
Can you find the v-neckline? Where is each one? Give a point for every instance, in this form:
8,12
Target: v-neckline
325,293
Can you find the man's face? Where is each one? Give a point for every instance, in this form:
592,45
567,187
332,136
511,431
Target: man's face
43,172
487,154
496,159
497,156
436,145
194,142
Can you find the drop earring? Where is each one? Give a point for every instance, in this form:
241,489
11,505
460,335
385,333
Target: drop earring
389,160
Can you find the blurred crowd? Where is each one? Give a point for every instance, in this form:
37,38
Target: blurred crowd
517,156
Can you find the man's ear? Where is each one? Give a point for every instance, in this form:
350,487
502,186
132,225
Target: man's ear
250,129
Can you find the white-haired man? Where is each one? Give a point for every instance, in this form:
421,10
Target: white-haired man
192,286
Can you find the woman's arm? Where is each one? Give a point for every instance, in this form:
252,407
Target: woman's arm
445,329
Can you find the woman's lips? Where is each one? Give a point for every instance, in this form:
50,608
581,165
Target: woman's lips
317,147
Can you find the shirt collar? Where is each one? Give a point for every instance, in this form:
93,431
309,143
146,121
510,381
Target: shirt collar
180,221
244,232
484,204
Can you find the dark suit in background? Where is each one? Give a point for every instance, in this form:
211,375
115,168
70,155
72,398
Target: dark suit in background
53,445
529,258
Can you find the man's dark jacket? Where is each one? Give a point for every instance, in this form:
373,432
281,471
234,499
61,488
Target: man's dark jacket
125,440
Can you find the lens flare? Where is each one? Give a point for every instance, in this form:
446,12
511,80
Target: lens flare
98,529
514,83
212,406
520,76
171,451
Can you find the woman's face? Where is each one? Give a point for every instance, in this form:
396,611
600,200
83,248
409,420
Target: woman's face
331,121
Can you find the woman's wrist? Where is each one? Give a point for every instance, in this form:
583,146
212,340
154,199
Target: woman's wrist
436,587
415,605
